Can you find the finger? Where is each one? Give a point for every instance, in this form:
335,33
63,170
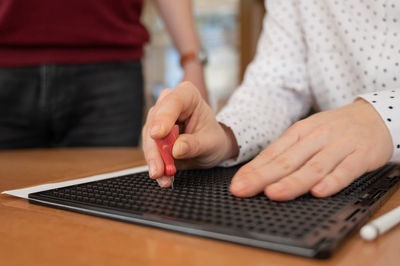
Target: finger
311,172
293,135
186,146
150,149
255,176
346,172
242,187
151,153
164,93
154,160
164,181
178,104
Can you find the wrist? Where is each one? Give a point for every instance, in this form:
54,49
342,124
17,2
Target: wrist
193,66
231,146
194,72
200,57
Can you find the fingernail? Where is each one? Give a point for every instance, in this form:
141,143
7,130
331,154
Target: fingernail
154,130
321,188
152,168
163,181
240,184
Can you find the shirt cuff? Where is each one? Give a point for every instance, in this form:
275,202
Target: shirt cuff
387,104
246,147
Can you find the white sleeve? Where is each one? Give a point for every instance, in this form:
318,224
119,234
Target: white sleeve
387,104
275,91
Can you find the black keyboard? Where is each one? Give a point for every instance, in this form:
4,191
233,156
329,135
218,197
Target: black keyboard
201,204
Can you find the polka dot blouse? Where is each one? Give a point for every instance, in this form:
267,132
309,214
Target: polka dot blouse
321,54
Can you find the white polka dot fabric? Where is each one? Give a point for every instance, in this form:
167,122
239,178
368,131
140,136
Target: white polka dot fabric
321,54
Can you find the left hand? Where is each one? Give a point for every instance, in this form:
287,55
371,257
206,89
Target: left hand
194,72
321,154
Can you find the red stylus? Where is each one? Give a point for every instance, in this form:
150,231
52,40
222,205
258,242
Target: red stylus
165,146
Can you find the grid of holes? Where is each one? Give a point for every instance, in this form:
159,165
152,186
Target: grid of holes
202,196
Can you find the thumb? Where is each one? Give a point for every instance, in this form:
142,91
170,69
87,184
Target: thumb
186,146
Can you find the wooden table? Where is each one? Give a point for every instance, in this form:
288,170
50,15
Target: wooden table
36,235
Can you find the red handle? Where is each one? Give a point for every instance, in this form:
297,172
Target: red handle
165,146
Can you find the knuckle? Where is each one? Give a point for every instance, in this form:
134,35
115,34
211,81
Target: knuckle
172,97
316,167
336,180
295,131
294,182
298,127
285,162
319,131
186,84
247,170
269,153
346,168
191,88
151,111
164,92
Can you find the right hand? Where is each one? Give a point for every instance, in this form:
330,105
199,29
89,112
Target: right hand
203,143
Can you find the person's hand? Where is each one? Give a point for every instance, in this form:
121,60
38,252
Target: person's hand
321,154
204,142
193,71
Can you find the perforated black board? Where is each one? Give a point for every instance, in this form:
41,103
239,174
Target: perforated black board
202,205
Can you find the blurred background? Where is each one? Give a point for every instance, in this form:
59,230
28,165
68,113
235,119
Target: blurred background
228,30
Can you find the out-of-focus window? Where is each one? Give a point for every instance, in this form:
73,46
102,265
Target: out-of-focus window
218,29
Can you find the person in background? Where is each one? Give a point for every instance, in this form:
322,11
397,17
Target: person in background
340,57
71,73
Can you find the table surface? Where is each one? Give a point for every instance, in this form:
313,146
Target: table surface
37,235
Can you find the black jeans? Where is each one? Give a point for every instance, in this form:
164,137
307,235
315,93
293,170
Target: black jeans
71,105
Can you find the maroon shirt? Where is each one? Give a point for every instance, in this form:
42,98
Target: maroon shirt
70,31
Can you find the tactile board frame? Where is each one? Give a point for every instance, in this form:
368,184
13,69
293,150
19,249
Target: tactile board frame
201,204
